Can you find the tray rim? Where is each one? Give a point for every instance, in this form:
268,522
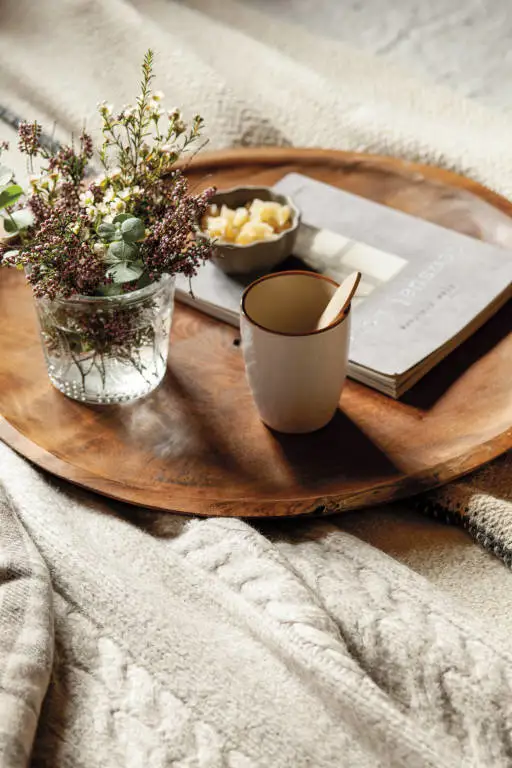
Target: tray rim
310,155
57,466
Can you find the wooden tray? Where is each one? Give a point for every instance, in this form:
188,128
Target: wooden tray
196,445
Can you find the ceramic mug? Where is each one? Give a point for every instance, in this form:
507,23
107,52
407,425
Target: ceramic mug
295,373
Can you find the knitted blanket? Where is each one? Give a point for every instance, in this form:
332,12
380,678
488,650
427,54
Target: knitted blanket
132,638
210,643
254,80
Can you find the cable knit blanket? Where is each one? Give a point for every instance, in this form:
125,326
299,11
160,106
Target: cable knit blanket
132,638
208,643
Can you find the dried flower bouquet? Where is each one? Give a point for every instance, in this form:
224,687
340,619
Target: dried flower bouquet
100,256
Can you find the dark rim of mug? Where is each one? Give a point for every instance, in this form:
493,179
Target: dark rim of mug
282,274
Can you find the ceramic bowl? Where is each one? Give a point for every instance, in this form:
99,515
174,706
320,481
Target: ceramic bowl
263,255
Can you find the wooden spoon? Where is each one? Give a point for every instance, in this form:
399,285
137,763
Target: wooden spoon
339,301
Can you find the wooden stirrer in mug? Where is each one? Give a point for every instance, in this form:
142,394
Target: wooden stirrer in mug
339,301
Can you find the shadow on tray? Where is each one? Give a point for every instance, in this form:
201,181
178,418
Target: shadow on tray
339,450
438,381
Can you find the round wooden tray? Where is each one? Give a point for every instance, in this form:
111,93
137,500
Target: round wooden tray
196,445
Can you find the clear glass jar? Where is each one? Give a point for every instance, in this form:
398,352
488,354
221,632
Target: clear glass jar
108,349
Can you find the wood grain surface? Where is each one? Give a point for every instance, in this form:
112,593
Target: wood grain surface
196,444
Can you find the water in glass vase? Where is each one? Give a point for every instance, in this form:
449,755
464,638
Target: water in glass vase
108,349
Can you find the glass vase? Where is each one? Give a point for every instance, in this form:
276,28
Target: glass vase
111,349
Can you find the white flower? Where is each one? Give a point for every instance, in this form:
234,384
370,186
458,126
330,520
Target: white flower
125,193
87,198
103,209
109,195
114,173
99,248
39,182
157,96
91,212
158,112
118,206
104,108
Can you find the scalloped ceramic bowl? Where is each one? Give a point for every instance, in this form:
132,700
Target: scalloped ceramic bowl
263,255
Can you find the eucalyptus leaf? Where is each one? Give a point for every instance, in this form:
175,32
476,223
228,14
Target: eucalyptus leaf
19,220
110,290
121,251
10,194
122,217
5,175
132,230
124,272
108,258
106,231
144,280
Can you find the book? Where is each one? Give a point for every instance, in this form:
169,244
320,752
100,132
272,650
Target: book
425,289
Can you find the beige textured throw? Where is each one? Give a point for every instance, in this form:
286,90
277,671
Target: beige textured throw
255,80
209,643
215,643
482,503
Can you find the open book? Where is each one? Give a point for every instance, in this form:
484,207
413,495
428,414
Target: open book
424,290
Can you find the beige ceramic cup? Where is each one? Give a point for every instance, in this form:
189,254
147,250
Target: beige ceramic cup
295,373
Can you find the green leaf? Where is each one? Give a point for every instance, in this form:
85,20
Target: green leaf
19,220
106,231
121,251
110,290
121,217
5,175
9,195
132,230
124,272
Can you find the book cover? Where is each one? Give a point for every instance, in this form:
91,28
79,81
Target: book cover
424,287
